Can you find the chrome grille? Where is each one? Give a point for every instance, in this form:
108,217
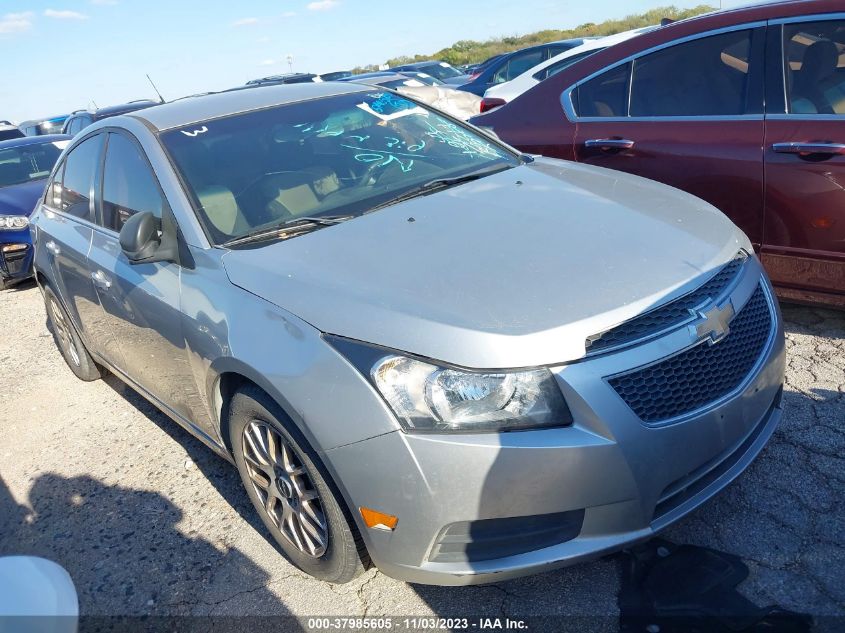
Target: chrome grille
702,374
670,315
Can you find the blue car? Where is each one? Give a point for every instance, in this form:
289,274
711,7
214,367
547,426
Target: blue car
505,67
25,164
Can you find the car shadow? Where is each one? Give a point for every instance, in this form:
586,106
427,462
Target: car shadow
801,319
220,473
125,551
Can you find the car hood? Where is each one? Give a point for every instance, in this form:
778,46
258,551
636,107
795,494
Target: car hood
21,199
513,270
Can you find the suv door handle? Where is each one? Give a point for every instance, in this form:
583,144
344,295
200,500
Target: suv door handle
51,247
608,143
101,280
809,148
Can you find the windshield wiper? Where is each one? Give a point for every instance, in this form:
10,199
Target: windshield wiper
440,183
296,226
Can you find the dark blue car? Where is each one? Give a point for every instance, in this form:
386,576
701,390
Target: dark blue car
505,67
25,164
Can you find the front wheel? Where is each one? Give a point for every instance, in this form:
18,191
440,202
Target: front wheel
293,499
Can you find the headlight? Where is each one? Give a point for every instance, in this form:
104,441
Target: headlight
13,222
428,398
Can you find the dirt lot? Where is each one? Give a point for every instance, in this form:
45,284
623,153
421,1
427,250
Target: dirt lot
148,521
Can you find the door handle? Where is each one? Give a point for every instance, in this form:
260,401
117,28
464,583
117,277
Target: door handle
101,280
809,148
52,247
608,143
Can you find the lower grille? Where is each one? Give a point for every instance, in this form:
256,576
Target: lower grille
702,374
489,539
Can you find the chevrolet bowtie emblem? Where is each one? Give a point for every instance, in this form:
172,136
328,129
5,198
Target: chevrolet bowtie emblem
713,324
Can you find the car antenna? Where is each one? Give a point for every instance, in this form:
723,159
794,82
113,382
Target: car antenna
160,98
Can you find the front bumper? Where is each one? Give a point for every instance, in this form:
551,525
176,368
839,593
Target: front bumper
619,479
16,255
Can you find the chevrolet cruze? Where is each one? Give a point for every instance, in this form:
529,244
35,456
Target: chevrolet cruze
419,347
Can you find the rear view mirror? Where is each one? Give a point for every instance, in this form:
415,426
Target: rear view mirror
140,237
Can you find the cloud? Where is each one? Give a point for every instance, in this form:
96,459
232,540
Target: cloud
16,22
322,5
109,3
64,15
268,62
245,22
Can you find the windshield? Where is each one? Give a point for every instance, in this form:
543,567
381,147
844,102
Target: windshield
28,162
338,155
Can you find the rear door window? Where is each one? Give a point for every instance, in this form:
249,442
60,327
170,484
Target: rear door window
704,77
814,67
80,166
605,95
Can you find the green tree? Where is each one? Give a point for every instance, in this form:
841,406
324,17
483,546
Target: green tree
470,51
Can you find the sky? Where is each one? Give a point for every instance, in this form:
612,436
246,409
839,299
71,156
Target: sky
65,55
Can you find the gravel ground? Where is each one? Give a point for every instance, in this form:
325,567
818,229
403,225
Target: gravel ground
149,522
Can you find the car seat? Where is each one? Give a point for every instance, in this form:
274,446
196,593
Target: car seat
818,65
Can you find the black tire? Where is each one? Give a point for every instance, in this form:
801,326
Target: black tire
3,284
67,340
344,556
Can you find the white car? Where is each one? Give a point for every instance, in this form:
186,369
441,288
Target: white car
502,93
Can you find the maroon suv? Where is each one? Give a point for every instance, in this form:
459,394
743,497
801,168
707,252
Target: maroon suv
743,108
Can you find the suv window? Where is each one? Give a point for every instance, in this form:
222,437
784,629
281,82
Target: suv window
815,67
79,169
707,76
517,65
605,95
129,186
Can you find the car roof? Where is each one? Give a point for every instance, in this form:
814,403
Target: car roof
46,119
591,44
211,106
33,140
125,107
381,73
430,62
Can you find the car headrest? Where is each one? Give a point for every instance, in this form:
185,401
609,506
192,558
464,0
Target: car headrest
820,61
222,210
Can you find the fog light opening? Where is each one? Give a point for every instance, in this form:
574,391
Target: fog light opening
378,520
13,248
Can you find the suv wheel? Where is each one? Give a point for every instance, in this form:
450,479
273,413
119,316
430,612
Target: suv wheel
291,494
67,340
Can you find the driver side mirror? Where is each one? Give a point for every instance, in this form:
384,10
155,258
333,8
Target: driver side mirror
143,242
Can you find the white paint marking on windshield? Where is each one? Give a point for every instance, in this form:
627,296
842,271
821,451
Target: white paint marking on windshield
194,133
396,115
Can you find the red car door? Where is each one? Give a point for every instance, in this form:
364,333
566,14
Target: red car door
689,114
804,234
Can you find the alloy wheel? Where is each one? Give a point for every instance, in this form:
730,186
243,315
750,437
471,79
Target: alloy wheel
287,493
63,332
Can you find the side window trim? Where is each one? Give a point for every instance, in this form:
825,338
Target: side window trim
567,97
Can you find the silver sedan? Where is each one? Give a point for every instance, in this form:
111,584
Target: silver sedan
420,348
